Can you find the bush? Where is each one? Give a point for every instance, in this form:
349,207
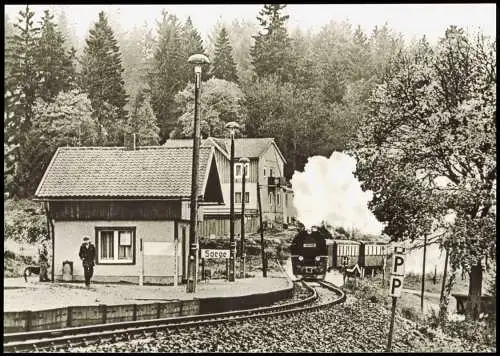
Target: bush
410,313
24,221
477,332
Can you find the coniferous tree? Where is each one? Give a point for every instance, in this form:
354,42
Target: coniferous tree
9,32
68,31
191,43
165,77
55,66
135,57
271,50
223,66
142,121
21,90
101,78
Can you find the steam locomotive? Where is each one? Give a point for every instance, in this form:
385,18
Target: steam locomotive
309,255
314,252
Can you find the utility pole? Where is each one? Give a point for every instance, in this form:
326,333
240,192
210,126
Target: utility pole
232,126
244,161
263,252
197,60
444,275
423,275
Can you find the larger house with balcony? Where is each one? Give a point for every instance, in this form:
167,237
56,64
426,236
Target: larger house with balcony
265,170
134,205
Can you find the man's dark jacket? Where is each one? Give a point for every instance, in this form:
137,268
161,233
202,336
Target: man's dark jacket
87,254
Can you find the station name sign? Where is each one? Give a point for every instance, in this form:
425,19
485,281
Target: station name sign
206,253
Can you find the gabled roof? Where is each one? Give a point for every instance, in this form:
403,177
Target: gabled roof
208,142
117,172
243,147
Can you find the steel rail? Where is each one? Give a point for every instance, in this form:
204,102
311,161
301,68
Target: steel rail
25,340
85,335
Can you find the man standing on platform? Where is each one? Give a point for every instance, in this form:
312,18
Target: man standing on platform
87,255
43,260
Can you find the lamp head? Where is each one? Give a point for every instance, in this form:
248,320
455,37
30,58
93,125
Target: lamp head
232,127
198,59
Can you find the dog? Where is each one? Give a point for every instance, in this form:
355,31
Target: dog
31,270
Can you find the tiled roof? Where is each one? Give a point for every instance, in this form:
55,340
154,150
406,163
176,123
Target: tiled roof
208,142
249,147
156,172
243,147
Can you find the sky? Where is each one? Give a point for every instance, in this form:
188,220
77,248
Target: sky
412,20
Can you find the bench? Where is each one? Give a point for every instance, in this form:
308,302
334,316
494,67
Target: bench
487,304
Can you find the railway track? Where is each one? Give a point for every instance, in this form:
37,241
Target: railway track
60,339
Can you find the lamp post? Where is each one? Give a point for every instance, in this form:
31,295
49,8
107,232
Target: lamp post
198,60
244,161
232,127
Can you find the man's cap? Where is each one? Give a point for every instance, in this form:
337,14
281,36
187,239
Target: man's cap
86,238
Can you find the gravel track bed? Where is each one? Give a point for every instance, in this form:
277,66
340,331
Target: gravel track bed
355,326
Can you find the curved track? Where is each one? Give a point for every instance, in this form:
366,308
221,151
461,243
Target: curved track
53,340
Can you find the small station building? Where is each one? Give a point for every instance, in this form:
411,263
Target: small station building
134,204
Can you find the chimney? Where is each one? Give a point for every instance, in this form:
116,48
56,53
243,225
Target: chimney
130,141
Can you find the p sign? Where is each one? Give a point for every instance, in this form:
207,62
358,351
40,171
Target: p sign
398,272
396,286
398,265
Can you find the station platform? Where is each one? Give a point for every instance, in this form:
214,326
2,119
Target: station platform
34,295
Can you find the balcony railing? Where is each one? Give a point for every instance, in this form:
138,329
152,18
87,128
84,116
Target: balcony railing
276,182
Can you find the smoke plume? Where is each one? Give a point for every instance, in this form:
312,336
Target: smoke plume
328,191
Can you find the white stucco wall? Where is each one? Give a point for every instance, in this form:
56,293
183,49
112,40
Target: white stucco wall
68,239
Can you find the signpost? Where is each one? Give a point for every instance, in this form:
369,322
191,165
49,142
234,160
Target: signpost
396,285
214,254
345,262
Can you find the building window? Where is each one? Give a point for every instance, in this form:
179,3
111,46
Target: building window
237,197
264,171
115,245
270,172
270,198
238,170
278,199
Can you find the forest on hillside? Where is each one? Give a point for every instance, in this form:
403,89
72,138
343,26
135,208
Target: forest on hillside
308,91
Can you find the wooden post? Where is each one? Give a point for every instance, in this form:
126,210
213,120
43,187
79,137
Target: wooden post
232,244
141,264
104,310
69,320
444,275
423,275
391,329
51,234
28,319
243,181
227,269
203,269
176,253
193,215
262,247
384,264
158,310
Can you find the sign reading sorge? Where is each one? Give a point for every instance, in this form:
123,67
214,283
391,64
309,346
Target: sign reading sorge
205,253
